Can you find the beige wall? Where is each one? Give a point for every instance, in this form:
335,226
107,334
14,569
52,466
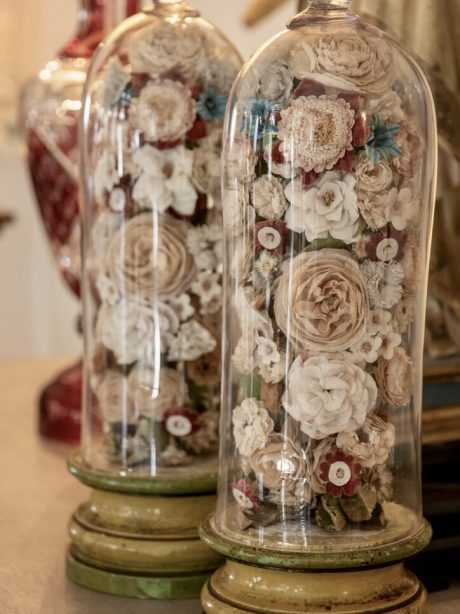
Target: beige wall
37,313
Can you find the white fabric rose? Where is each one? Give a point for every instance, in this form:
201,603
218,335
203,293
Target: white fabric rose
268,197
252,426
330,207
276,83
191,342
328,394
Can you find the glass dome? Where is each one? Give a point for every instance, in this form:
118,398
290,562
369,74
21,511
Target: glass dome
329,180
153,110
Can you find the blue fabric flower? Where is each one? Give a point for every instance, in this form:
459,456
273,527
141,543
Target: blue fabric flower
211,105
259,120
381,143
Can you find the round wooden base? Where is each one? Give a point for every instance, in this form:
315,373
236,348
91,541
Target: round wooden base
238,588
144,546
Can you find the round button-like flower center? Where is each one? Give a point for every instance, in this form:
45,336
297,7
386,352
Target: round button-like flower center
387,250
179,426
243,501
269,238
339,473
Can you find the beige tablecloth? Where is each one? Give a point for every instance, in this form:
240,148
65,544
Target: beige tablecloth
37,496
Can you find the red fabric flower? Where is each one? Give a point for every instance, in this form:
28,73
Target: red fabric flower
346,163
271,236
341,474
276,155
386,245
181,422
361,132
198,131
308,177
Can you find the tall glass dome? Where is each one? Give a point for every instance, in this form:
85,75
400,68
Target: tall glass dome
329,181
151,135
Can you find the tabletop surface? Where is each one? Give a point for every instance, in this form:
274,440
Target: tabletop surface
37,499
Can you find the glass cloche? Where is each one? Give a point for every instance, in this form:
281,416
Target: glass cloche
329,182
151,140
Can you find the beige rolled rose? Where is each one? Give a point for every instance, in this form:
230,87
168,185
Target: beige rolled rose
152,393
279,461
371,444
113,399
321,302
395,378
148,258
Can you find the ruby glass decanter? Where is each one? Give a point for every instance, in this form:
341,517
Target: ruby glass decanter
152,119
50,110
329,183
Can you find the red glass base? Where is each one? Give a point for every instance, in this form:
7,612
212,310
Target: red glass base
60,406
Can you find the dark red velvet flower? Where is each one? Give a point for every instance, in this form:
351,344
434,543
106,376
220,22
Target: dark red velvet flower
386,245
341,474
198,131
308,177
361,132
346,163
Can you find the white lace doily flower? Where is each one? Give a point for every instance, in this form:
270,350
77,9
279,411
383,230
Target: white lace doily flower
164,111
165,180
328,395
318,129
191,342
252,426
268,197
330,207
383,282
166,47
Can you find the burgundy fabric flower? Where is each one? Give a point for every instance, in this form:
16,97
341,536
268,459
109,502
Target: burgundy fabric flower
271,236
361,132
308,87
386,245
181,421
308,178
276,155
198,131
341,474
346,163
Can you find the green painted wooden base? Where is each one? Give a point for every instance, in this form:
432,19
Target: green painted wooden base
134,585
144,546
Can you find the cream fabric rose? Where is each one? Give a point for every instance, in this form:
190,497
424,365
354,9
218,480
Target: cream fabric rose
252,426
371,444
321,303
395,378
372,178
153,391
167,47
328,208
365,62
164,111
318,130
279,462
328,394
112,397
268,197
149,258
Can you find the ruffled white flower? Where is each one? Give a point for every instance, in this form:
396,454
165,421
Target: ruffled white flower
191,342
390,341
107,290
208,288
402,206
164,111
105,176
330,207
368,348
329,394
182,306
128,329
268,197
252,426
165,180
243,354
267,351
275,83
318,129
275,372
379,321
116,78
370,445
388,106
117,200
383,282
166,47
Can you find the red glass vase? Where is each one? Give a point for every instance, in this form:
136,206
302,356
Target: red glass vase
50,111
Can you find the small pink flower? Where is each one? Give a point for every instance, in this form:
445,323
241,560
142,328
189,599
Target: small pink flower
271,236
246,496
341,474
181,422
